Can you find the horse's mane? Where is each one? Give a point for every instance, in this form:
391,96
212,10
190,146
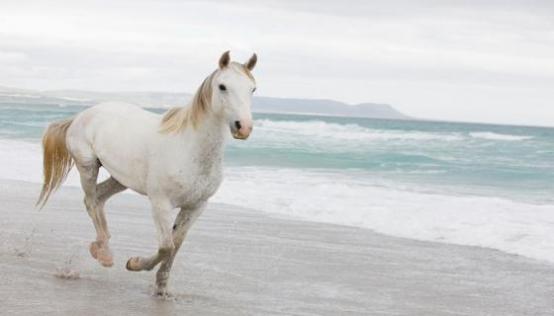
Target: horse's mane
176,119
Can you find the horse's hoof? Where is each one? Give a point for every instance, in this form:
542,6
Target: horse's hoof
102,253
133,264
106,261
163,294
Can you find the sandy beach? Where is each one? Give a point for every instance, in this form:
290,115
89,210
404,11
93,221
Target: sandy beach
245,262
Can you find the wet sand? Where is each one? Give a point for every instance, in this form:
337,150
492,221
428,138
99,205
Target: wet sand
244,262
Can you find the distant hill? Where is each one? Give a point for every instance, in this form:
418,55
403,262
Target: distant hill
168,99
325,107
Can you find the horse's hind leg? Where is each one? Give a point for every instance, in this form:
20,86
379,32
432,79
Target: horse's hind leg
104,191
107,189
99,249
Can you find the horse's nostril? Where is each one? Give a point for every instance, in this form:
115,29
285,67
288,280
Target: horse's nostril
237,124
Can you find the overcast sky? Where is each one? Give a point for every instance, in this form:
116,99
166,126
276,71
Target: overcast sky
488,61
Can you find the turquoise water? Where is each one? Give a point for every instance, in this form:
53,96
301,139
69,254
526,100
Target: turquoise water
509,161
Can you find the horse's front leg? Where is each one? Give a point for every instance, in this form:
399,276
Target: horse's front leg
161,211
183,222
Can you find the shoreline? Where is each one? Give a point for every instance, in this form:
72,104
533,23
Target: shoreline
242,261
486,221
272,215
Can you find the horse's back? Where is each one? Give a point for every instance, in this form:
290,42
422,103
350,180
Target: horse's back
113,120
117,112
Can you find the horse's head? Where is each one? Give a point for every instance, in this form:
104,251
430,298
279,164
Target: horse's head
232,87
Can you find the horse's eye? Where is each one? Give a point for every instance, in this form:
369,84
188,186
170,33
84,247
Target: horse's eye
253,89
222,87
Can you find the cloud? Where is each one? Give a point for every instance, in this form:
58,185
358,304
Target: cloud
431,59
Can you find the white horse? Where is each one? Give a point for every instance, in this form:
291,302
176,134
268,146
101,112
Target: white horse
174,159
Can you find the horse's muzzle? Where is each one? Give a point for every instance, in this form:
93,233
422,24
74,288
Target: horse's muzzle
241,129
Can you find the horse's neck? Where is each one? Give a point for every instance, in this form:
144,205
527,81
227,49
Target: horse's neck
209,139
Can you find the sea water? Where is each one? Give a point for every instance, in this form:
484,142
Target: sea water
473,184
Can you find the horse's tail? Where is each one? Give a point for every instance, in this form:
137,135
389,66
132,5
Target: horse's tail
57,161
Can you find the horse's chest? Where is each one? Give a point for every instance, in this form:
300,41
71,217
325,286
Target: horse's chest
192,188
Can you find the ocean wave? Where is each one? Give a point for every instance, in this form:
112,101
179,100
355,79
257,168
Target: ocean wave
394,209
322,129
496,136
326,130
40,124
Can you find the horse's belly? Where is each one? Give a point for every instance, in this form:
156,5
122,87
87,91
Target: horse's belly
128,178
125,162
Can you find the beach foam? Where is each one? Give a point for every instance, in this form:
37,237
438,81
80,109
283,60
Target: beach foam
347,132
514,227
497,136
343,198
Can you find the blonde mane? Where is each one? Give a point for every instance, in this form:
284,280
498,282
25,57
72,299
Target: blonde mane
176,119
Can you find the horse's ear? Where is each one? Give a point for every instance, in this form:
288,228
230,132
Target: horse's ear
251,63
224,60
